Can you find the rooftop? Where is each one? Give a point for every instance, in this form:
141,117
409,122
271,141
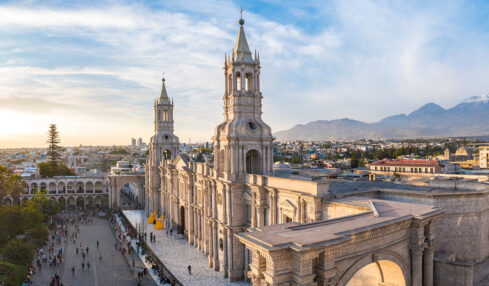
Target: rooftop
299,236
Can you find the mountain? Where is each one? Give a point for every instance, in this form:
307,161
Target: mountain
468,118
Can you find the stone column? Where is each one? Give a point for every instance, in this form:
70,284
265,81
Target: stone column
428,264
417,264
216,246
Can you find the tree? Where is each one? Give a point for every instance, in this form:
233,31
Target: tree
18,252
354,161
10,185
60,169
54,148
11,221
43,203
4,173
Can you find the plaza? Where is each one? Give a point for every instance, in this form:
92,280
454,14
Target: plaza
113,269
176,254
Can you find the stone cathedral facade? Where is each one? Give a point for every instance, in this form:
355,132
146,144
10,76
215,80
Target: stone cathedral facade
277,230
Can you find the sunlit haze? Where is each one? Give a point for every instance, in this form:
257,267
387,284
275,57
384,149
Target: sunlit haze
95,68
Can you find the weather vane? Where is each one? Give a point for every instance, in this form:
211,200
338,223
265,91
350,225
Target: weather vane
241,21
163,76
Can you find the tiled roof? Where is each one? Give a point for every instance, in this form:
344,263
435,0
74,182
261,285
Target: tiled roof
407,163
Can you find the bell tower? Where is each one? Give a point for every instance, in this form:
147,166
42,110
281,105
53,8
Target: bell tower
163,146
243,143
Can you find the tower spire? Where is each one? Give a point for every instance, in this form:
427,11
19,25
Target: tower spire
164,99
241,49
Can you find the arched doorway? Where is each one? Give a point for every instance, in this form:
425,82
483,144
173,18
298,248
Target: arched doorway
382,272
80,202
253,162
62,202
182,220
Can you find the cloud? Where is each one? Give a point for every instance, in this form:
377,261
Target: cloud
363,60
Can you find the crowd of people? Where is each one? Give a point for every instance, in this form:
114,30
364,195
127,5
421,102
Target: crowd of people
51,254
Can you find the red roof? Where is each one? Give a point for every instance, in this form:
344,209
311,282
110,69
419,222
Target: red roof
407,163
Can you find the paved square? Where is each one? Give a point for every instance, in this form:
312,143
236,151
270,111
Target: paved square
176,254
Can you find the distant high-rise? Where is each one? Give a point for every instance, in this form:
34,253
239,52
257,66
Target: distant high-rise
140,142
133,143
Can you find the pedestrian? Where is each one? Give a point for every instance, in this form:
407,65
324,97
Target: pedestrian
83,266
88,265
77,250
83,254
73,270
98,243
87,250
189,270
100,257
115,245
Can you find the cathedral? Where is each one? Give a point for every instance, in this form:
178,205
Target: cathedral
271,227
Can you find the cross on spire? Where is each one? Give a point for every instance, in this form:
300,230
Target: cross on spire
241,12
163,76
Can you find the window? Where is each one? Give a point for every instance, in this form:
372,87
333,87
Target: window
249,82
238,81
165,115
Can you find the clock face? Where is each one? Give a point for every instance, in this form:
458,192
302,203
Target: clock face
219,199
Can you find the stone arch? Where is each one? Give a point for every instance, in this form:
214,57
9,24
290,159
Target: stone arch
34,188
70,187
98,201
24,200
61,188
80,188
52,188
42,186
238,81
71,202
80,202
248,82
89,188
253,162
89,202
8,201
26,189
99,188
387,267
230,84
62,202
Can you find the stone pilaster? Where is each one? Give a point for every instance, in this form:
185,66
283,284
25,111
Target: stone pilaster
429,253
417,264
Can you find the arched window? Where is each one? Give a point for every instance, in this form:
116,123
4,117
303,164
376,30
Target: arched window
167,154
238,81
230,84
253,162
249,82
165,115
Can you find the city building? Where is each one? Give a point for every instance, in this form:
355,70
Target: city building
484,157
122,167
70,191
406,167
275,230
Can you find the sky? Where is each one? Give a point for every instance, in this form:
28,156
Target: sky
94,68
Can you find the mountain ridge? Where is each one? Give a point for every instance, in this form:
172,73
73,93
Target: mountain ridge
468,118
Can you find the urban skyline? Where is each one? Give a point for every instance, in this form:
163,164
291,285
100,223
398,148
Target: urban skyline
94,69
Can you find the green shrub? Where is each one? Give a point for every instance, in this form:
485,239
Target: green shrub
18,252
11,273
